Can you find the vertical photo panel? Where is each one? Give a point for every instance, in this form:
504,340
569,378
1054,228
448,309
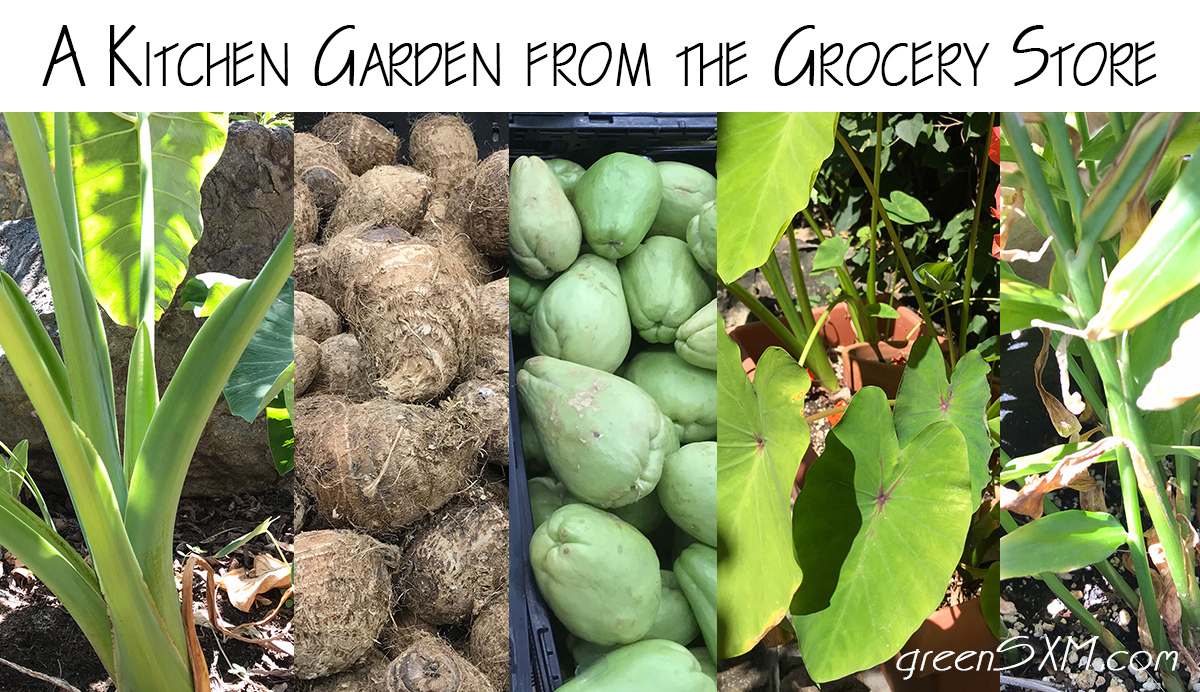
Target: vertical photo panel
858,321
613,248
146,352
402,401
1098,243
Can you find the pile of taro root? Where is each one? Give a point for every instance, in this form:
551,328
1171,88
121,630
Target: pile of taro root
402,410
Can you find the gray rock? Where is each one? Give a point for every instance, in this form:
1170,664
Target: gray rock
247,207
246,200
14,202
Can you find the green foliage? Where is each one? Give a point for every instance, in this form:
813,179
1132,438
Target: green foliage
761,439
1060,542
874,515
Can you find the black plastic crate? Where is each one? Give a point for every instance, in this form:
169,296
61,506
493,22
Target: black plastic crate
583,138
490,129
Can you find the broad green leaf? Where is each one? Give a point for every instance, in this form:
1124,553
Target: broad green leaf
830,253
905,209
761,438
937,276
767,163
1023,301
909,130
280,431
925,396
104,154
1020,467
263,370
203,292
1162,266
1060,542
879,530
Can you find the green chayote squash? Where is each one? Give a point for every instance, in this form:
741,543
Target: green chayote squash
523,296
582,316
546,496
688,490
708,665
675,620
686,393
653,665
702,237
645,515
535,456
686,189
568,174
586,653
597,573
617,200
696,570
663,287
603,436
696,338
543,230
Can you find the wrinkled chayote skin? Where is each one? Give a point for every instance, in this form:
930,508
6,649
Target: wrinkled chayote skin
675,620
702,237
598,574
696,339
663,287
603,436
645,515
543,230
617,200
546,496
688,490
654,664
582,316
686,189
686,393
568,174
523,296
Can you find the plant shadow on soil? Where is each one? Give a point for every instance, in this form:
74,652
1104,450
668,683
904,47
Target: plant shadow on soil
36,631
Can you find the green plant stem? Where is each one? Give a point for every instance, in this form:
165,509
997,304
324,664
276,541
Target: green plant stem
1085,137
798,281
1117,122
968,277
1068,167
949,334
773,272
873,231
887,222
864,326
816,361
1108,639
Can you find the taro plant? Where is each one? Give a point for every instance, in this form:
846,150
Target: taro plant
892,498
116,199
1115,209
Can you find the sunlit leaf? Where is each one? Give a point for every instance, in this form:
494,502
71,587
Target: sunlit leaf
761,438
263,370
767,163
937,276
879,530
905,209
925,396
104,155
830,253
1060,542
204,292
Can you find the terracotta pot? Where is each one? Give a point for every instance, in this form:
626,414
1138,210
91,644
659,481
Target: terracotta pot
956,629
838,329
879,365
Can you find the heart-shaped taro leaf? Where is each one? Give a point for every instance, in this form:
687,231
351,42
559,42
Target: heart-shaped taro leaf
879,530
926,396
761,437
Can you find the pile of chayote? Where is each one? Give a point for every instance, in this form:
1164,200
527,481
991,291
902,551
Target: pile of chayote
613,281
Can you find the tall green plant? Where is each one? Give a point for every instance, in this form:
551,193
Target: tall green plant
117,213
1125,286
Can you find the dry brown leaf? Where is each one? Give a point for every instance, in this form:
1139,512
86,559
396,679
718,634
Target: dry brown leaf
1063,418
1167,597
1091,497
1070,471
268,573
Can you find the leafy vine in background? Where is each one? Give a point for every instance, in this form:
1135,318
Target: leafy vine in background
929,165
